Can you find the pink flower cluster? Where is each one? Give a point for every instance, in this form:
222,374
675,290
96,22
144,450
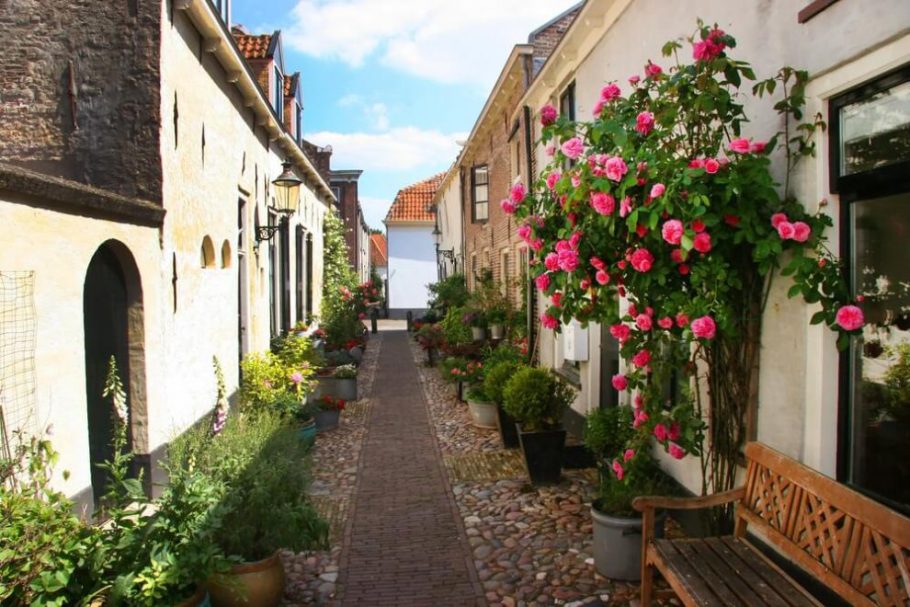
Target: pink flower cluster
573,148
517,195
710,165
746,146
642,260
613,168
603,203
644,122
704,327
548,115
607,94
710,47
797,230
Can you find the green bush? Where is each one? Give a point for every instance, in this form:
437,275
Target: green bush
451,292
496,377
536,398
264,381
454,330
504,352
449,364
477,393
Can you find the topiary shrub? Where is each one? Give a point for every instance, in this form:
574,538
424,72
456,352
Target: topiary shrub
536,398
497,376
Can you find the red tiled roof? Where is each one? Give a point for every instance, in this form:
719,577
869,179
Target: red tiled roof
379,254
253,47
412,203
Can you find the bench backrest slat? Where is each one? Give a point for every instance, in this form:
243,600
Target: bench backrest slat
857,547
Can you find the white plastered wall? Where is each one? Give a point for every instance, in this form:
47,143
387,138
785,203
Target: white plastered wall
412,266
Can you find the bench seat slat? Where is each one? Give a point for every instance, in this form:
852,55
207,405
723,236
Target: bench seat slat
724,572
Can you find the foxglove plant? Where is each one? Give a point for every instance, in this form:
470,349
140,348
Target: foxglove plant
663,201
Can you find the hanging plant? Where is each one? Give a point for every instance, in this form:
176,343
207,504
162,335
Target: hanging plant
662,200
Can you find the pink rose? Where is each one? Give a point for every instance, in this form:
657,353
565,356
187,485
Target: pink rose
849,317
617,469
620,332
548,321
508,207
518,193
682,320
609,92
683,269
785,230
603,203
677,255
576,181
615,167
652,69
660,432
657,190
573,148
704,327
548,115
696,163
665,323
702,242
628,454
584,284
777,219
643,322
550,149
597,263
731,220
556,298
676,451
552,178
524,232
625,206
674,432
740,146
640,418
568,260
801,231
536,244
598,107
641,358
642,260
644,123
711,166
542,282
602,277
758,147
702,50
620,382
698,226
672,231
633,79
551,261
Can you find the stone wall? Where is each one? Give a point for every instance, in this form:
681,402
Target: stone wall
79,91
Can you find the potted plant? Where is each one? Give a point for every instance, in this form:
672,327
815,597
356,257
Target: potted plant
493,384
496,318
430,338
475,319
338,381
483,410
451,369
609,432
537,398
328,411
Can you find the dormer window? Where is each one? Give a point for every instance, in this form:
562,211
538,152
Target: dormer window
299,124
223,7
278,97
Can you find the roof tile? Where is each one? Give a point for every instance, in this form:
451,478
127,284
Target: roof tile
412,202
379,250
253,47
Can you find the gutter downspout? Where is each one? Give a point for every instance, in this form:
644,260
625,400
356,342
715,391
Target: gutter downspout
530,286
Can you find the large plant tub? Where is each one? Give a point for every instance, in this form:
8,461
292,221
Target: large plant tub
483,414
617,544
542,452
345,389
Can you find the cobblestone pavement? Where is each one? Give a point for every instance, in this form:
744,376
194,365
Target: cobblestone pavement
312,577
530,546
404,544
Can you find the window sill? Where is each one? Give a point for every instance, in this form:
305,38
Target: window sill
570,374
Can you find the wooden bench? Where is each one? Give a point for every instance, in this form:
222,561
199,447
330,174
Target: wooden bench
856,547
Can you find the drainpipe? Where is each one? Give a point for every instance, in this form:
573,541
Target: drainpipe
530,286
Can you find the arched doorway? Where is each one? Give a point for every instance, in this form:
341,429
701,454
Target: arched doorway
113,322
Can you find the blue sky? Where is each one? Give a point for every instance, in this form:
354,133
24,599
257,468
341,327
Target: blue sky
391,85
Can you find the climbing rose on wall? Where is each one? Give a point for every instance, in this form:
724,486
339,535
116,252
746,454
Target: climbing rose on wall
677,211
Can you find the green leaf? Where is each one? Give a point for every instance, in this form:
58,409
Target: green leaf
818,317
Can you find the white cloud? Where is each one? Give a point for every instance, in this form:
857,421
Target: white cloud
398,149
455,42
374,210
377,114
349,100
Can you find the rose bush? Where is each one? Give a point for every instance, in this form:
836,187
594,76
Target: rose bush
661,200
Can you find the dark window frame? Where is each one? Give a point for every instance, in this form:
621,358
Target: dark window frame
279,92
474,200
875,183
567,104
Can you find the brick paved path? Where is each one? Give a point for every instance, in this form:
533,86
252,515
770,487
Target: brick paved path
405,544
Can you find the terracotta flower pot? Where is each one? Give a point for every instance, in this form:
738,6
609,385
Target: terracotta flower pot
260,583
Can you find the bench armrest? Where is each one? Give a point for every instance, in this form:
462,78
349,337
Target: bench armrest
651,502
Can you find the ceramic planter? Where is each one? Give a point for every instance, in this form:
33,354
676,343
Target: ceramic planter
343,388
496,331
260,583
306,430
200,599
617,544
508,433
478,333
327,419
542,451
483,414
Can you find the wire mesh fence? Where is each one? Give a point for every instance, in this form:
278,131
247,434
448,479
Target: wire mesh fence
17,354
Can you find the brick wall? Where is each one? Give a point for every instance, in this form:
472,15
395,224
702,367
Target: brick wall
114,50
350,212
546,39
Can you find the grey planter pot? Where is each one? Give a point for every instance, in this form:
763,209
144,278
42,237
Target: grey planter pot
327,420
496,331
478,333
483,414
617,544
345,389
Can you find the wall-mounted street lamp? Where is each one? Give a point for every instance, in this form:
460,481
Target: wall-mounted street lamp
287,198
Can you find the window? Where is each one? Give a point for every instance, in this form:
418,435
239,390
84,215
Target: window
300,264
505,274
870,160
279,94
223,8
480,195
567,102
